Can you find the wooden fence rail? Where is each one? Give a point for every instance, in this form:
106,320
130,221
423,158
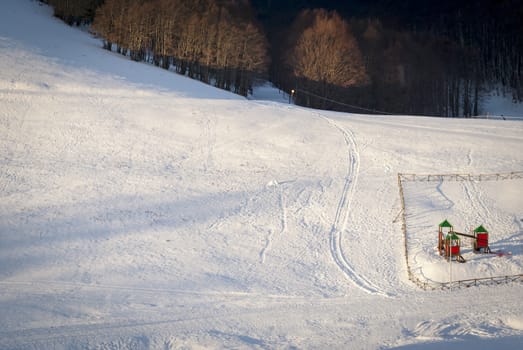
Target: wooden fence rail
461,177
432,285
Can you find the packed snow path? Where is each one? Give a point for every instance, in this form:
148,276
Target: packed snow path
140,209
342,212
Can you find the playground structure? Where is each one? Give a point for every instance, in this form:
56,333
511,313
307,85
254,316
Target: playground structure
481,240
449,242
418,278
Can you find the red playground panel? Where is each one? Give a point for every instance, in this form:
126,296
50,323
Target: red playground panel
454,250
482,240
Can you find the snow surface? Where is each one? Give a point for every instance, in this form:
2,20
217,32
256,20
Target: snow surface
143,210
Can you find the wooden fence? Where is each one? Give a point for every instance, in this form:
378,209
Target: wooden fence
432,285
461,177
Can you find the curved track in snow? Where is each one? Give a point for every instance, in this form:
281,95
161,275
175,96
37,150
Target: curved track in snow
339,225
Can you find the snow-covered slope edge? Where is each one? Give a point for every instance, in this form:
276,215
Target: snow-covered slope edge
140,210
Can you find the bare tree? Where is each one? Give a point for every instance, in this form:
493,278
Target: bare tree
211,40
326,53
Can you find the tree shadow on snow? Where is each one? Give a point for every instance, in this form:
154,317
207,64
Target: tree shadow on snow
24,233
476,343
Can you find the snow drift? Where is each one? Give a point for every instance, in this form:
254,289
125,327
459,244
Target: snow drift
140,209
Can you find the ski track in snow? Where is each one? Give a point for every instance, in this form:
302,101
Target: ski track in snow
446,198
270,237
339,225
475,197
177,324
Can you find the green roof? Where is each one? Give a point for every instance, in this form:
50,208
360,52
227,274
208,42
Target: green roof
479,229
445,224
452,236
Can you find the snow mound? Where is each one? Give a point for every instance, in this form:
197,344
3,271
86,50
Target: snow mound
141,209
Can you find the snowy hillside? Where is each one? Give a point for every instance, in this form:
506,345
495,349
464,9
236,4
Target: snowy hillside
143,210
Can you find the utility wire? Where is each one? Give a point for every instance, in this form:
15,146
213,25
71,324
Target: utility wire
342,103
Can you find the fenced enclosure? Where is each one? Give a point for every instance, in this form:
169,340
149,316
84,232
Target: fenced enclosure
427,284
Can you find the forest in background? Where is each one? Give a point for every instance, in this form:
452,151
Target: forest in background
385,56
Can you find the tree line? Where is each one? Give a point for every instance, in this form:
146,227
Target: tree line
436,57
432,63
217,42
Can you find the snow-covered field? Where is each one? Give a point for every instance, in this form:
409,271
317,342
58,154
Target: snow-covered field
143,210
494,204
